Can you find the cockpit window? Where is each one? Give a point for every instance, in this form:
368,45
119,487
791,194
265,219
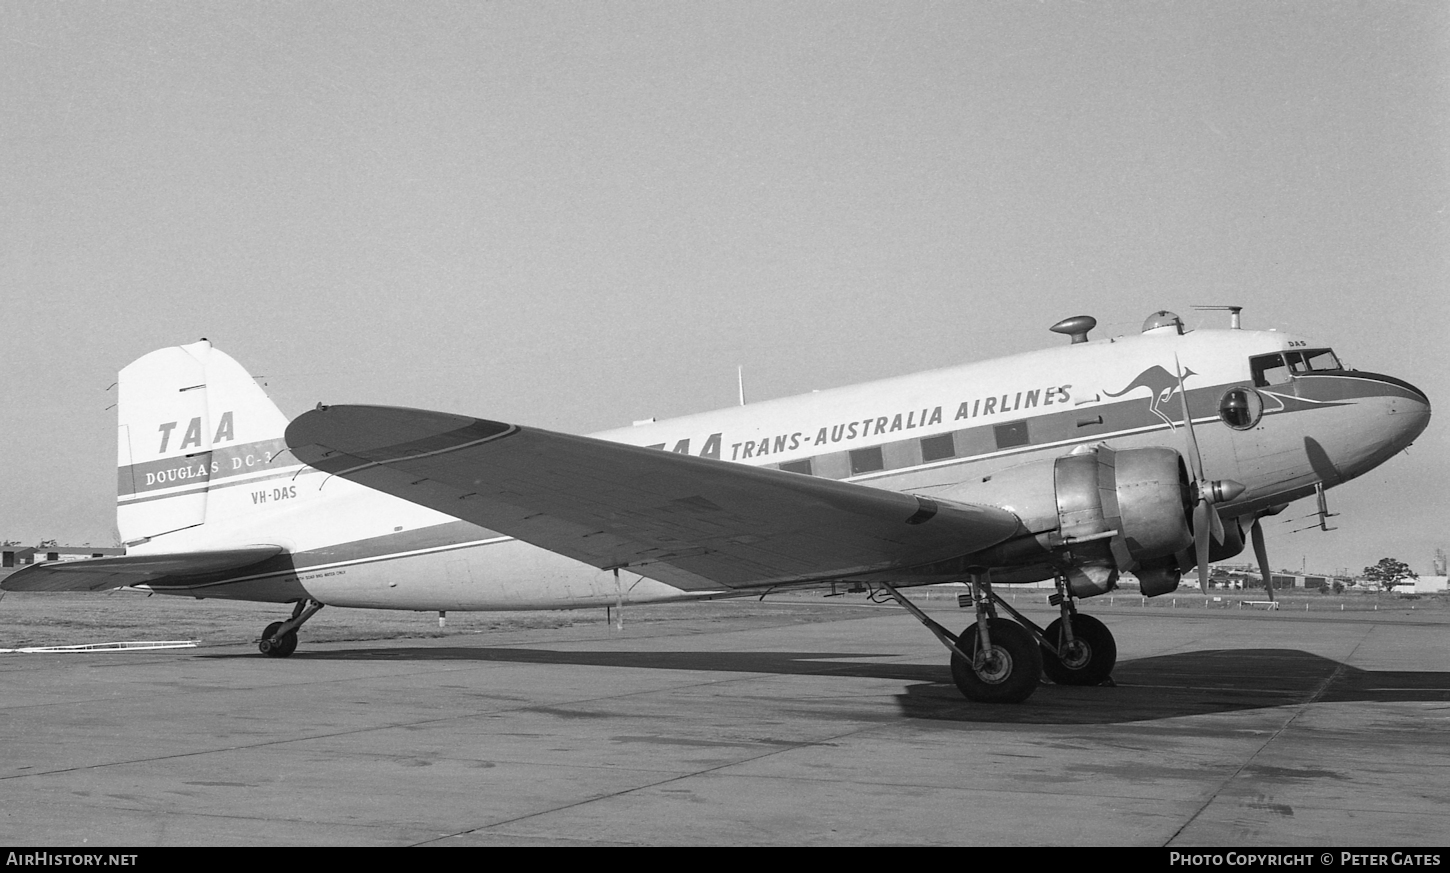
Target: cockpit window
1269,370
1280,368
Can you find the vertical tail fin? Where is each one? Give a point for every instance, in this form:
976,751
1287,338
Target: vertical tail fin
190,420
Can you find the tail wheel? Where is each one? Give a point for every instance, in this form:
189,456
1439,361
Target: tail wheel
282,647
1007,672
1088,660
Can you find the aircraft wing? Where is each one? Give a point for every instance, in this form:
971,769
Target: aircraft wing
97,574
695,523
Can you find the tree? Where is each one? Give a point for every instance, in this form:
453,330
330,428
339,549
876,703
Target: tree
1389,572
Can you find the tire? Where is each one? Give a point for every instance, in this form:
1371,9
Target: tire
1009,673
1092,659
282,648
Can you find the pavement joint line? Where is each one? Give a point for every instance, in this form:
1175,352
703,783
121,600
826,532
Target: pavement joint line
676,778
367,827
1201,686
456,668
1298,710
823,741
826,668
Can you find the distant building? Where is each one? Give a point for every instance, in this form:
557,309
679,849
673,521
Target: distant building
23,556
1428,585
1306,581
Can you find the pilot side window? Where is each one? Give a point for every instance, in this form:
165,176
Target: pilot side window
1269,370
1322,359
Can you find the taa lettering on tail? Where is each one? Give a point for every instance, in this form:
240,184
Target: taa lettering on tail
192,437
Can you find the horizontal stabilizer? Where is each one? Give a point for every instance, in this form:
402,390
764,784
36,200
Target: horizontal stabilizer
98,574
694,523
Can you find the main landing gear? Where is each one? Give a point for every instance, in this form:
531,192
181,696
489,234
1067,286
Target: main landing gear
996,660
1077,649
280,638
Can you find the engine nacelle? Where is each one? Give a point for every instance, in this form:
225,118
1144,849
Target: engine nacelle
1094,513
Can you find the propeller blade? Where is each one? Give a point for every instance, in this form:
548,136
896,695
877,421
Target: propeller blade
1202,513
1206,521
1195,460
1262,553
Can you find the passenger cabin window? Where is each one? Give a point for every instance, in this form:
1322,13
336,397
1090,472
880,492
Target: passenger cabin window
866,460
937,448
1010,435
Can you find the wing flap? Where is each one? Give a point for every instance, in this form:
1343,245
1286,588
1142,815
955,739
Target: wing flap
98,574
687,521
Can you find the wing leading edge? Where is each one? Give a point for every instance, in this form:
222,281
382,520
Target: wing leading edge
695,523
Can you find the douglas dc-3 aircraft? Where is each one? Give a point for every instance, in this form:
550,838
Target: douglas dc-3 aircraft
1145,455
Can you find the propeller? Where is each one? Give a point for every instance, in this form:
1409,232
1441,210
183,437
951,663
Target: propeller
1261,552
1206,492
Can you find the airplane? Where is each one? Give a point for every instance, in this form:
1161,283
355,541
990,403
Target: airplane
1145,455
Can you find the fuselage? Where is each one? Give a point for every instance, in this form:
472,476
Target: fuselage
1271,410
929,432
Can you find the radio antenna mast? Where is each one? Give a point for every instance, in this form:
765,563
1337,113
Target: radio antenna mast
1233,314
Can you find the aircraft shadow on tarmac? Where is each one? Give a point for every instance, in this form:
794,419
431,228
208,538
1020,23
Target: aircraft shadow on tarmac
1166,686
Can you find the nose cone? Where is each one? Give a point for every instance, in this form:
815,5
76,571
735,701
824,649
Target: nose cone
1388,415
1407,407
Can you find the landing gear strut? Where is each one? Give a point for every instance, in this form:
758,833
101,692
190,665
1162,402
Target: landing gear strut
1077,649
994,660
280,638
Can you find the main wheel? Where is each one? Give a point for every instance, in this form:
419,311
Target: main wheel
1090,658
1008,672
280,649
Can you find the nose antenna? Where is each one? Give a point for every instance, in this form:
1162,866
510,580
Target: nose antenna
1233,314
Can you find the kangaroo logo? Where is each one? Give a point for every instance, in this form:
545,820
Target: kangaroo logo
1161,385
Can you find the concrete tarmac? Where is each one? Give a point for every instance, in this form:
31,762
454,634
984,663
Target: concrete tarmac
834,727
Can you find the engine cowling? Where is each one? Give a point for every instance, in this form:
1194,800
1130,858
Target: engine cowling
1093,514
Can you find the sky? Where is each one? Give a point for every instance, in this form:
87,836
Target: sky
576,214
